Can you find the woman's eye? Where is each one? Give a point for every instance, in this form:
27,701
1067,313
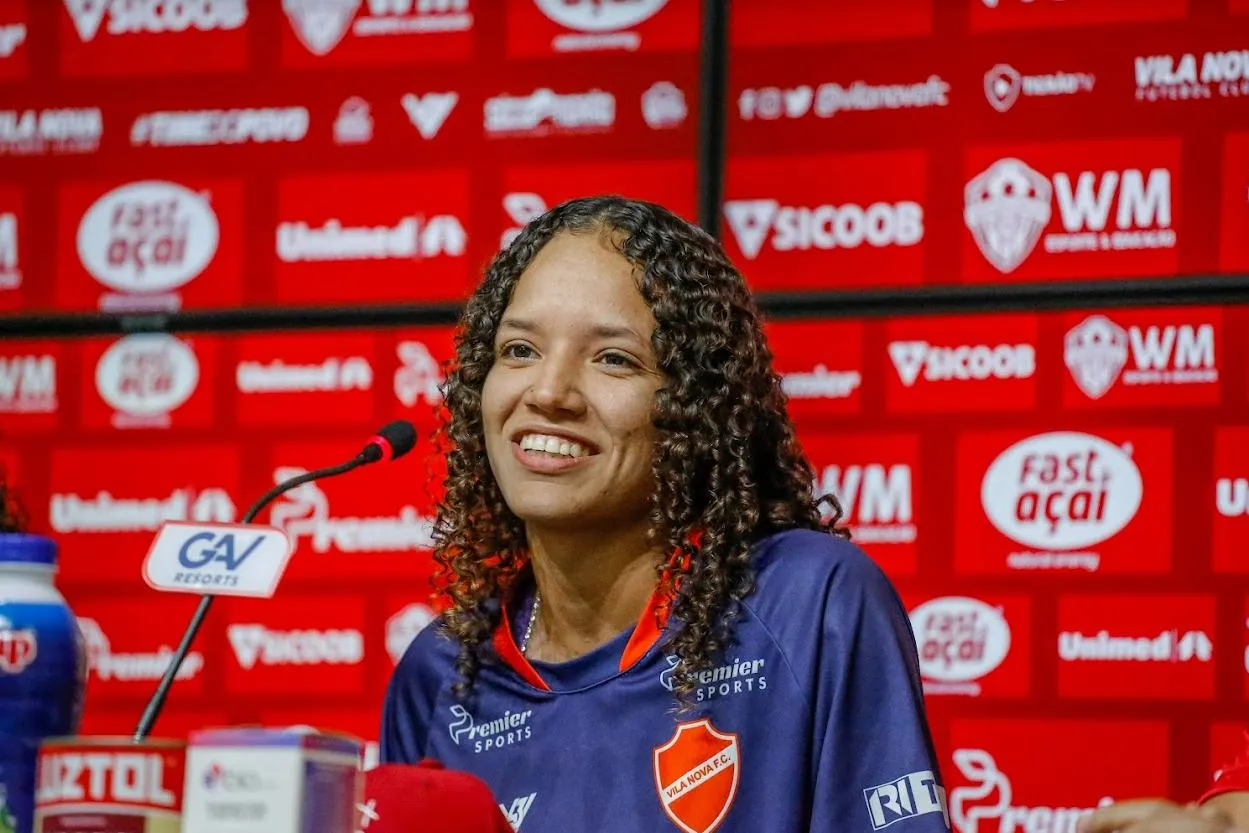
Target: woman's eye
517,351
618,360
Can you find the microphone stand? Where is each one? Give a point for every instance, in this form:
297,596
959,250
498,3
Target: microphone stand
154,706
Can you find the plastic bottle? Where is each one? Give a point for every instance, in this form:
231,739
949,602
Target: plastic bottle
42,669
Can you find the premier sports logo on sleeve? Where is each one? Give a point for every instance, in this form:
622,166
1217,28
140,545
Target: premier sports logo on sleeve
914,794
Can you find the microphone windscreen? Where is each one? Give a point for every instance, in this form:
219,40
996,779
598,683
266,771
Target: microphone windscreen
407,798
401,435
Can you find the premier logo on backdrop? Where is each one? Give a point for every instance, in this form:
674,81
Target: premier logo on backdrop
970,804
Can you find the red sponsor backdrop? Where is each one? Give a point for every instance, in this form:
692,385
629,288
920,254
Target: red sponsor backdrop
1057,562
263,154
1052,140
1061,497
976,154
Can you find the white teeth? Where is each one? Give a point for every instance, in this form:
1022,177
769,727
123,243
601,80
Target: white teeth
551,445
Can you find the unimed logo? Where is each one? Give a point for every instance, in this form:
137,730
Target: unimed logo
1136,646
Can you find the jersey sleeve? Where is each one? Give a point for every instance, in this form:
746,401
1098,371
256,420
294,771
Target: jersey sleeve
409,702
876,767
1233,776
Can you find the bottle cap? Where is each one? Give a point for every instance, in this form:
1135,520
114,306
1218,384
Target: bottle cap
25,548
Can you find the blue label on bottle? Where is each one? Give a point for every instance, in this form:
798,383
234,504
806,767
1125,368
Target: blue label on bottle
41,692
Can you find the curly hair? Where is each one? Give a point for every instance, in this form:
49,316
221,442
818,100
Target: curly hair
727,466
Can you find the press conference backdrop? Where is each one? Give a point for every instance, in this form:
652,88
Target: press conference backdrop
1062,497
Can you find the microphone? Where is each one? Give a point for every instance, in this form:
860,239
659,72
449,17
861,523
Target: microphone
402,798
391,442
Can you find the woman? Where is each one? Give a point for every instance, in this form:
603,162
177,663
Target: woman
650,625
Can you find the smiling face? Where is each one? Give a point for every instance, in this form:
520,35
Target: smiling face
567,404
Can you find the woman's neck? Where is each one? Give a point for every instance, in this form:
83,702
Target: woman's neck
592,589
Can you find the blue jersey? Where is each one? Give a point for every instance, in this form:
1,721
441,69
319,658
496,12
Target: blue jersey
813,719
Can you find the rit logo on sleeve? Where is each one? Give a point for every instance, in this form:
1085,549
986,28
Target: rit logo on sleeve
915,794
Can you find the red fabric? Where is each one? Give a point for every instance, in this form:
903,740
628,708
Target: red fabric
1233,777
401,798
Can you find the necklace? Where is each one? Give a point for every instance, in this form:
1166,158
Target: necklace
533,617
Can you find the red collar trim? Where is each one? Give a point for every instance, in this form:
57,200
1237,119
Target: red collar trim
507,649
645,634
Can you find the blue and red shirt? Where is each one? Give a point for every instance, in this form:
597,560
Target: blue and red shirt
812,720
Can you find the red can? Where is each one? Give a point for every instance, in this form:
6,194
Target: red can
110,785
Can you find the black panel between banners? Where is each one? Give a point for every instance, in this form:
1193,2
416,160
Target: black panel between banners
910,301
